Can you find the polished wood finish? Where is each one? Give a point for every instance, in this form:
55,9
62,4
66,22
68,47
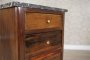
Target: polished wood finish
41,21
31,34
8,35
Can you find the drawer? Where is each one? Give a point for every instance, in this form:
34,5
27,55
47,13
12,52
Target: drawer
42,41
41,21
43,46
47,55
54,57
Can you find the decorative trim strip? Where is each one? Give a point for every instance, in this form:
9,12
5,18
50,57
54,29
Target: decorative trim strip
77,47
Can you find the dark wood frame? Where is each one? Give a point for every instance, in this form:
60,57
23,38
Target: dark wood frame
26,10
20,17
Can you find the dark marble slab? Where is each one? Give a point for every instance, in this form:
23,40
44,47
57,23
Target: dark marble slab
19,4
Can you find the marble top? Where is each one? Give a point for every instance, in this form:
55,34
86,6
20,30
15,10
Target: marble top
28,5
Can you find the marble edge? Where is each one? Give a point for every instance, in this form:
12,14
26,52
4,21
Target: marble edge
19,4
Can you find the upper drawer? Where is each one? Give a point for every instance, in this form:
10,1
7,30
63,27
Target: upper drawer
40,21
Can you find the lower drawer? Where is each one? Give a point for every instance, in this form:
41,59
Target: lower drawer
54,57
51,55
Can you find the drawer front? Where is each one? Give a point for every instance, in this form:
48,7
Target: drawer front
54,54
43,46
40,21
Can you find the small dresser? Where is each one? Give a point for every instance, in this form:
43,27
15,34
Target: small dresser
31,32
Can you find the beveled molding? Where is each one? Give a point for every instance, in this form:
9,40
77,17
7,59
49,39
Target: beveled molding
28,5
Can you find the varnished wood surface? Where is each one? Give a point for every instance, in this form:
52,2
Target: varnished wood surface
40,41
17,22
47,54
1,49
21,31
8,35
39,25
39,48
42,30
50,55
35,21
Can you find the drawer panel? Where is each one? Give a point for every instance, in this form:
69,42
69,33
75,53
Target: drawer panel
50,55
40,21
54,54
43,41
43,46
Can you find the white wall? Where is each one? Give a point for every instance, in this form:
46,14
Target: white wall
77,19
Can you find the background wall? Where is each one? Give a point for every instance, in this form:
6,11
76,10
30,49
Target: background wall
77,19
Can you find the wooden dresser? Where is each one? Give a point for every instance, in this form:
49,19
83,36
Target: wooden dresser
31,32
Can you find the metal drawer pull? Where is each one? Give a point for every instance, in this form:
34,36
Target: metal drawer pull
48,42
48,21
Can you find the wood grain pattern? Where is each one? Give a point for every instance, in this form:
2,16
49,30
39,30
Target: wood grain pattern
40,21
21,43
8,35
36,43
44,26
1,44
